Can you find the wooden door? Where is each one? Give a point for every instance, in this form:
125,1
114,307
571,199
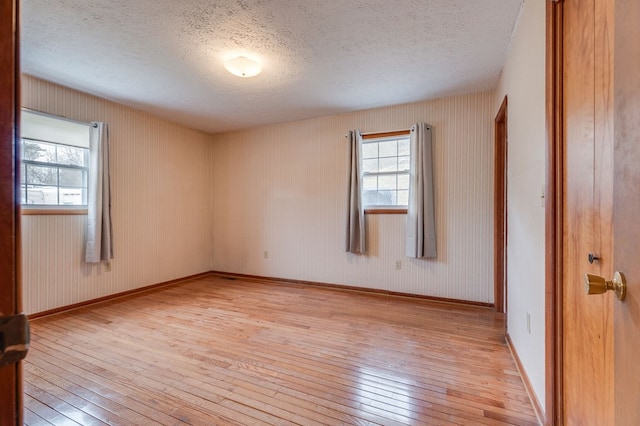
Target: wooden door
587,352
627,210
601,206
10,380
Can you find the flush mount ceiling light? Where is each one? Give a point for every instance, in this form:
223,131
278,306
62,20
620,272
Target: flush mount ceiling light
243,67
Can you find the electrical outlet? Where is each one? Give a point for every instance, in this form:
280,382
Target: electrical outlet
528,322
107,266
398,265
266,254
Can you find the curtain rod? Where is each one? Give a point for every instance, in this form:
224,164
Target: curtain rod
59,117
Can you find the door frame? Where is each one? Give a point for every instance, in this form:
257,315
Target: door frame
553,214
10,296
500,210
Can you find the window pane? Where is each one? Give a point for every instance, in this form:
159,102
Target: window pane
71,196
403,147
403,181
370,150
39,151
71,177
54,161
378,198
42,195
370,166
386,164
41,175
370,198
389,149
387,182
403,163
389,197
389,164
370,183
403,197
72,156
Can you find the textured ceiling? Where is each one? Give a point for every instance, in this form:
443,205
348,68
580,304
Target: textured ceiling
319,57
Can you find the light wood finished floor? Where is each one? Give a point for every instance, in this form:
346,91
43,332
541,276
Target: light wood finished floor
217,351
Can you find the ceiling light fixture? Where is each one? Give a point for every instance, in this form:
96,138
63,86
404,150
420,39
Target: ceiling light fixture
243,67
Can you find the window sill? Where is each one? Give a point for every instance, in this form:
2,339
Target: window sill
51,211
385,211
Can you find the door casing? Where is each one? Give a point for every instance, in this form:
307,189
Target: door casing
553,215
500,210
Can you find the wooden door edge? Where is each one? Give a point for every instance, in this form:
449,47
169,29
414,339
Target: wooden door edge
499,219
11,394
553,216
17,208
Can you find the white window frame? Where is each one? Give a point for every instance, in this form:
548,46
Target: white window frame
377,138
56,132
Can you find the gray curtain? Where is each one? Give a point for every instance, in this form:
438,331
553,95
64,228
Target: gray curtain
421,224
99,245
355,210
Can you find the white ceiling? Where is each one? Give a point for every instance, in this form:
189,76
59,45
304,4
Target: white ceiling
319,57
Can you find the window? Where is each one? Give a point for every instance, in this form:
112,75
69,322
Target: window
54,163
386,159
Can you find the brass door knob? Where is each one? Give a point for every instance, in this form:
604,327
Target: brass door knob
595,284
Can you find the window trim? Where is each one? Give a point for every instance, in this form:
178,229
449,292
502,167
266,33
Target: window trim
50,210
380,135
386,209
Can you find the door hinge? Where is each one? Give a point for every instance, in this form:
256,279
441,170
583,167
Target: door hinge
14,339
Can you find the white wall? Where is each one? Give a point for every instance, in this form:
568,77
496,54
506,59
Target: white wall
282,189
523,81
160,177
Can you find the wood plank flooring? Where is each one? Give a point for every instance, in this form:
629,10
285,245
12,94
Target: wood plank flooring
215,351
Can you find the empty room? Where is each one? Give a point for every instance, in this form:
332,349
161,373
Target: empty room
317,212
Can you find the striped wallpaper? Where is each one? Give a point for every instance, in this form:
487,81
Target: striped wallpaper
185,202
281,189
160,179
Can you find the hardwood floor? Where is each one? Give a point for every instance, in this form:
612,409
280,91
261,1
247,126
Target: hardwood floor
217,351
